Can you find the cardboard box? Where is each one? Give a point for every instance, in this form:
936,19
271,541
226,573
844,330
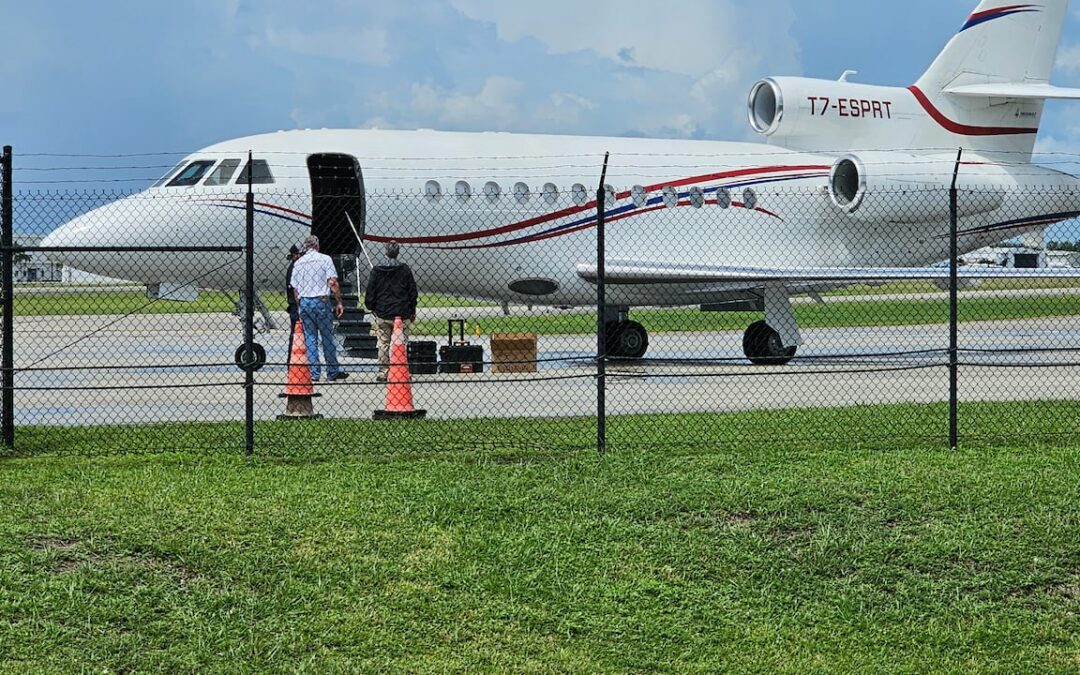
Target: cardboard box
513,352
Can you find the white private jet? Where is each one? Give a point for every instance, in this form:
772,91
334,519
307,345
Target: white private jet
852,186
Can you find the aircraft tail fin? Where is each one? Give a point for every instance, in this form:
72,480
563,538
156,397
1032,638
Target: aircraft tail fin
988,86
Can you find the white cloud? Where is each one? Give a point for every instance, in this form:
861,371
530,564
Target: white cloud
563,110
684,125
378,123
365,45
495,106
1068,59
681,71
693,38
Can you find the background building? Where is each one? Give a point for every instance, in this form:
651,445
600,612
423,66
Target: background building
33,267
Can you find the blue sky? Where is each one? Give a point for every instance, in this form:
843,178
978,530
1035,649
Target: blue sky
139,76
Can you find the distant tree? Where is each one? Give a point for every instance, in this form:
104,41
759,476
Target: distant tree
21,258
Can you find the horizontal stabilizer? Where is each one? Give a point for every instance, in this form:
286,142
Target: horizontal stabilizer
643,273
1015,91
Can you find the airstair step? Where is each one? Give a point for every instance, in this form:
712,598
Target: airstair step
351,326
360,342
372,353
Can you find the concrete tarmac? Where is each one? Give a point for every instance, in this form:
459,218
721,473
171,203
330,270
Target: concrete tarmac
74,370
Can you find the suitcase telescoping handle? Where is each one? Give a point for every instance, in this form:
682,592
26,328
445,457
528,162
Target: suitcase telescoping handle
450,330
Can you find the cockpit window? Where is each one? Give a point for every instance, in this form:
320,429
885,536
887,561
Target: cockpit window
192,173
161,181
260,174
223,172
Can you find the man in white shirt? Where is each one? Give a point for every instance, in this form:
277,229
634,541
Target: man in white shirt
314,279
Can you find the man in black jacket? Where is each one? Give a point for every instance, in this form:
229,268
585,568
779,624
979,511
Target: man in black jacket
391,293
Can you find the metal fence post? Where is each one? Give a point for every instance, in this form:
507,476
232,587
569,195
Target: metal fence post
954,310
249,315
601,329
7,358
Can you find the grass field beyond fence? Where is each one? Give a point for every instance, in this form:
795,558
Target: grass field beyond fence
706,555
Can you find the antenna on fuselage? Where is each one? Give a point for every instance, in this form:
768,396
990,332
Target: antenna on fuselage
847,74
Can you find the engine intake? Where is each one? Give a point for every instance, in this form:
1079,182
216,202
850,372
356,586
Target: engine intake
908,188
766,106
847,183
821,116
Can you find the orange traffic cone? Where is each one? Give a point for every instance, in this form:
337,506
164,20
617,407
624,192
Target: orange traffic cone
298,387
399,403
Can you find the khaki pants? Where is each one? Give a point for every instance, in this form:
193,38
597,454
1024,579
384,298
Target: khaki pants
384,329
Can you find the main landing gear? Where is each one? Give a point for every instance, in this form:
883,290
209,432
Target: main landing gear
764,346
772,342
626,339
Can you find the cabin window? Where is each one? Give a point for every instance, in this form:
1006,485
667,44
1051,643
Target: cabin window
260,173
671,197
697,197
551,193
463,190
579,194
522,193
609,196
164,179
492,191
640,196
749,198
723,198
433,190
192,173
223,172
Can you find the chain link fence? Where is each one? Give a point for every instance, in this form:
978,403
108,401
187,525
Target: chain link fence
139,343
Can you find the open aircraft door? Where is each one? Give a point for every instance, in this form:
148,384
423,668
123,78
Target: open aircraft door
337,196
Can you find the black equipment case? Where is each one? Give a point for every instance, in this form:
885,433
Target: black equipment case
460,356
423,359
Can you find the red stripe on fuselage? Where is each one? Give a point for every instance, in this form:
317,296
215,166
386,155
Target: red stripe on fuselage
965,129
577,228
591,206
263,204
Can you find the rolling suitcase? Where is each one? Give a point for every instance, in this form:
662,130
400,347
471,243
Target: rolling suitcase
459,356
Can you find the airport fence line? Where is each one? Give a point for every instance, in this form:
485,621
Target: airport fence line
702,339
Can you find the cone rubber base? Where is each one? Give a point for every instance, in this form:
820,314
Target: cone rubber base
404,415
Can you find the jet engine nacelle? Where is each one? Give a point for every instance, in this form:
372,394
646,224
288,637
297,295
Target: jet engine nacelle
825,115
913,188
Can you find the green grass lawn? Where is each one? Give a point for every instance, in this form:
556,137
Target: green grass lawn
125,302
910,287
830,315
704,554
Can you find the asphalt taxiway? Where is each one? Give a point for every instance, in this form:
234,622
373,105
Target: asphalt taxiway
77,370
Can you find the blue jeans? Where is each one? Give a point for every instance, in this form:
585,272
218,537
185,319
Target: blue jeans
319,323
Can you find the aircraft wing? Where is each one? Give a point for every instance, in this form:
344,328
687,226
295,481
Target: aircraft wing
631,272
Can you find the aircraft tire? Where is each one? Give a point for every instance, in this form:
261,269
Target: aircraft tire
258,351
763,346
626,340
